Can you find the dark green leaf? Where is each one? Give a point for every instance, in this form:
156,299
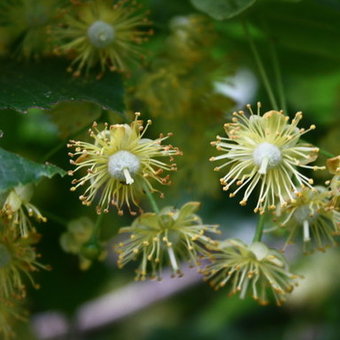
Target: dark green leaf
70,117
222,9
41,84
15,170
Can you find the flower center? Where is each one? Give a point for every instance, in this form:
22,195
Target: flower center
101,34
304,213
266,156
259,250
122,165
5,256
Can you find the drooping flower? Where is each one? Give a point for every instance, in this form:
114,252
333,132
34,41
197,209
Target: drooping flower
25,22
17,208
120,164
254,269
333,166
10,312
101,32
79,239
265,151
311,216
18,259
168,237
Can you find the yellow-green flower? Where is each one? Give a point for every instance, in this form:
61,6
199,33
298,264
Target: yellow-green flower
311,216
18,259
17,208
26,21
119,164
79,239
254,269
168,237
265,151
333,166
10,312
101,32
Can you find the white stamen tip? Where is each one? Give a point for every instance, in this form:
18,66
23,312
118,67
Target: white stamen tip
306,231
128,178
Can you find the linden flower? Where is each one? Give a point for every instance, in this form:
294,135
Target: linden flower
120,164
253,269
311,215
10,312
25,22
167,237
17,260
17,206
98,32
264,150
333,166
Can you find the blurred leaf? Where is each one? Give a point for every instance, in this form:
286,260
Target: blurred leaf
71,117
42,84
222,9
313,33
15,170
317,96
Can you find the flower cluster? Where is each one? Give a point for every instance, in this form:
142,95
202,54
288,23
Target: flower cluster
18,259
18,256
101,33
254,269
265,151
120,164
333,166
10,311
26,21
166,237
17,209
311,214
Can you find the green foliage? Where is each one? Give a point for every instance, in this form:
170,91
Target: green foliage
70,117
42,84
222,9
15,170
196,45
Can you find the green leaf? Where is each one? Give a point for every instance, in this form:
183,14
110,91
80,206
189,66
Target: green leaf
70,117
42,84
15,170
222,9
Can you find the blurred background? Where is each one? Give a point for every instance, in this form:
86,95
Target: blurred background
196,71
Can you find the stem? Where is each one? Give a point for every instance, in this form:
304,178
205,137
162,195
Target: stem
278,75
326,153
53,151
261,68
62,144
322,151
259,229
151,199
97,226
54,218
